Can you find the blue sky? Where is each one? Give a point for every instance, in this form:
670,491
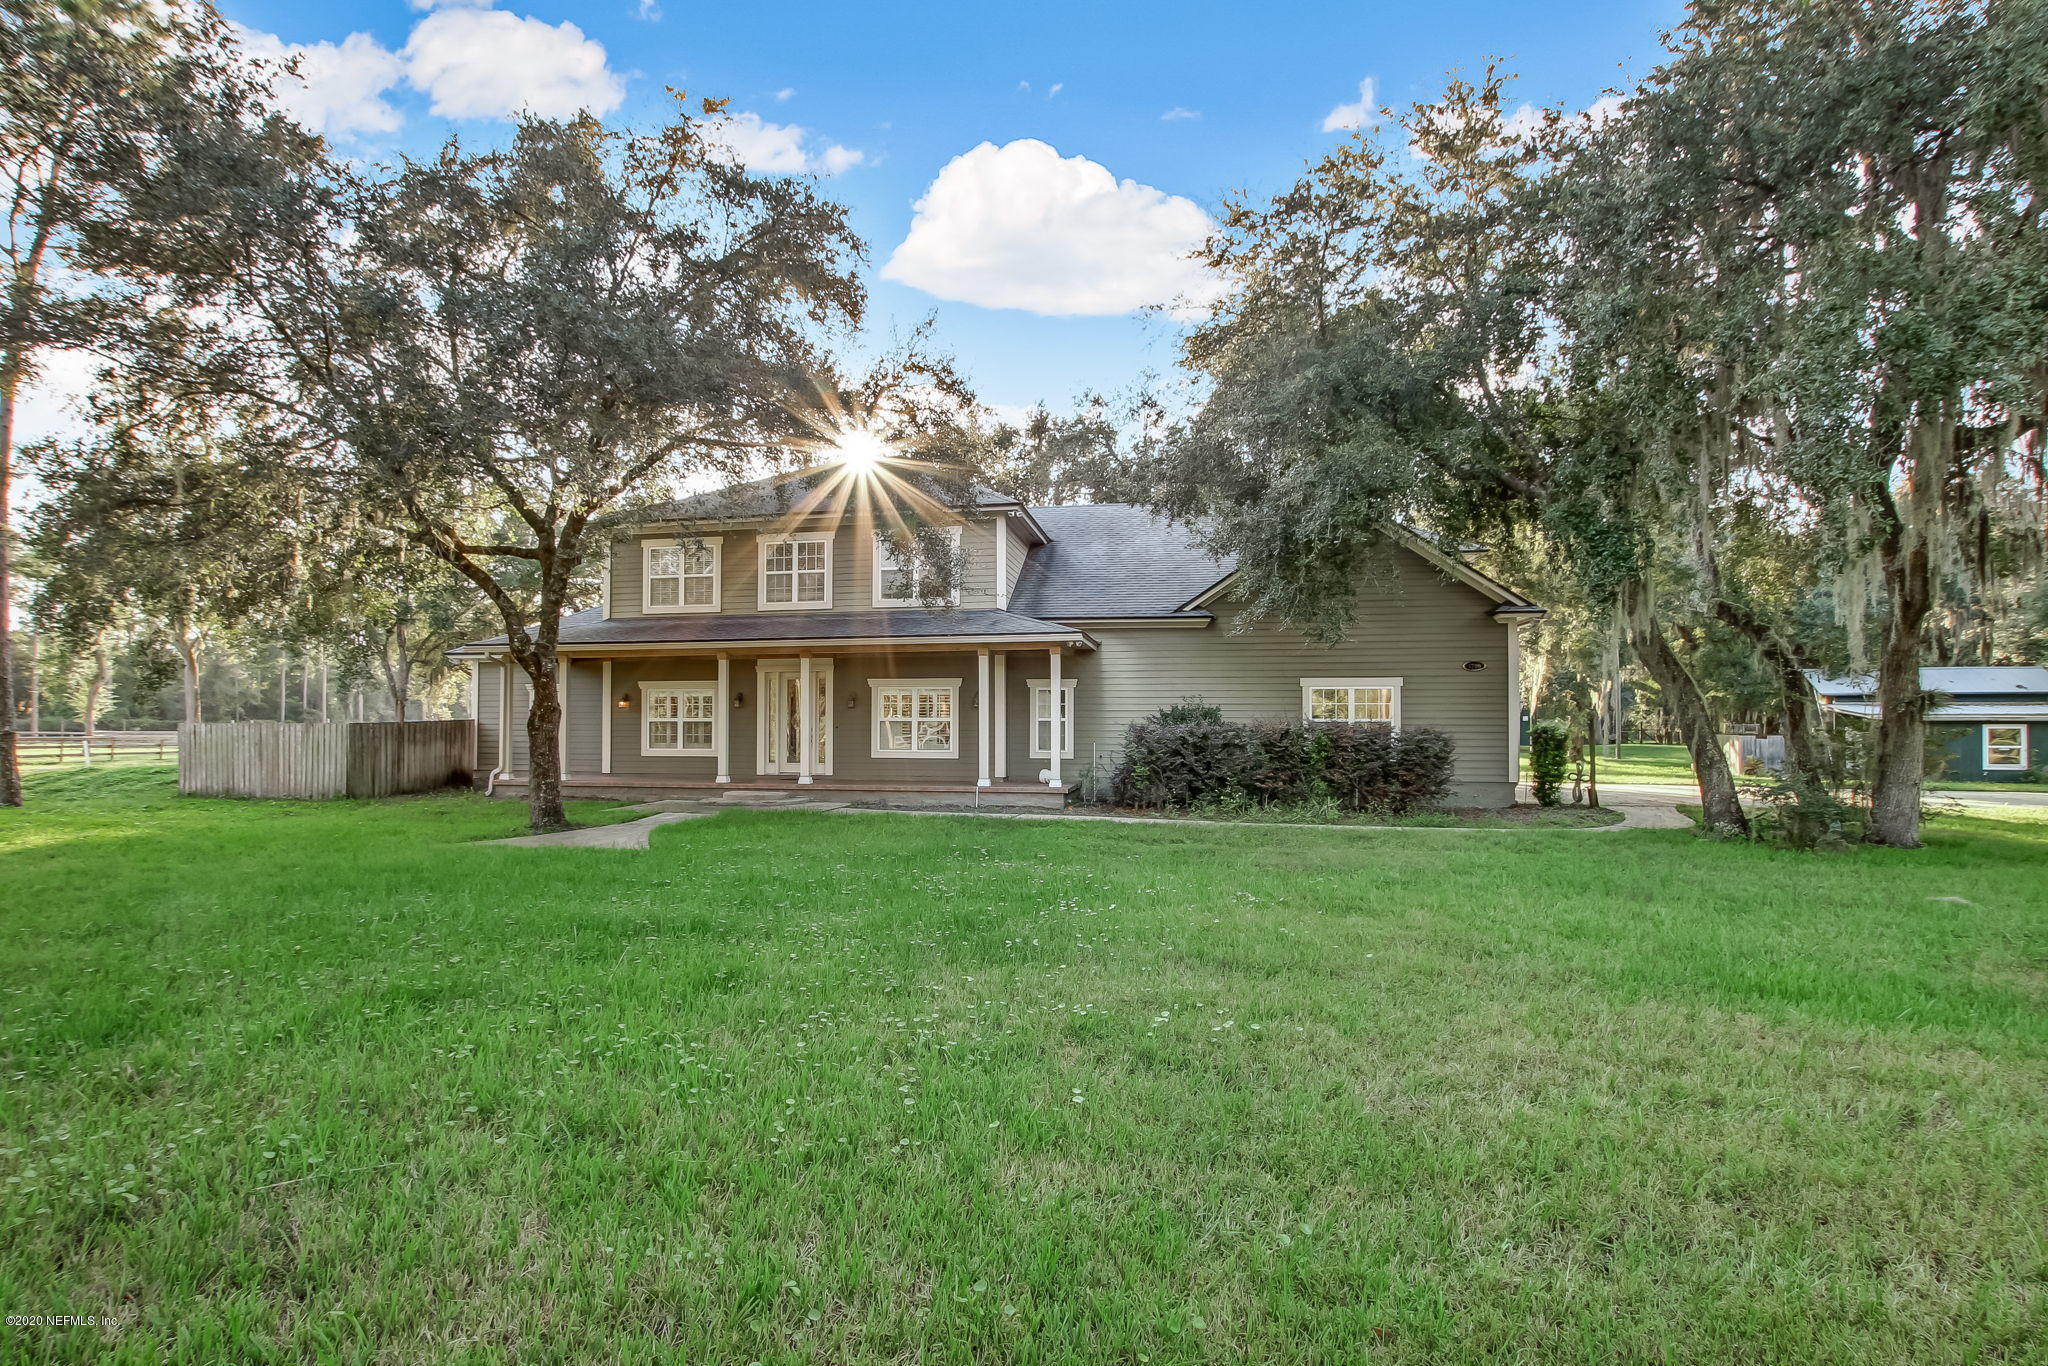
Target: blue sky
1184,101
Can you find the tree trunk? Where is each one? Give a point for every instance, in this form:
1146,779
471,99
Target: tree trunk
1900,765
35,684
1718,795
10,752
284,678
102,676
543,742
188,651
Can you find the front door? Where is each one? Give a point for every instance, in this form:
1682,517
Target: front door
781,717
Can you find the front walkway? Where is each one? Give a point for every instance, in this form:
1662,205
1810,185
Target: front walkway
1640,811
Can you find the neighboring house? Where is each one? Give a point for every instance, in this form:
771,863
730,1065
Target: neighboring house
1993,725
723,611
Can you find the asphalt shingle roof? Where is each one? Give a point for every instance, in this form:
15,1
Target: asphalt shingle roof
782,494
589,627
1112,560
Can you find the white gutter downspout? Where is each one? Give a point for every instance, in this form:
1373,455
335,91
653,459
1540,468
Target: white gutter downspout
504,722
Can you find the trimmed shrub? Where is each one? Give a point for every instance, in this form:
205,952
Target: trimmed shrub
1549,760
1359,767
1188,709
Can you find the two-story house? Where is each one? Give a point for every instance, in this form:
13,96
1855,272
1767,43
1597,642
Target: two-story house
723,613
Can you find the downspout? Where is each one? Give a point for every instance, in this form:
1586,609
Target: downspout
504,721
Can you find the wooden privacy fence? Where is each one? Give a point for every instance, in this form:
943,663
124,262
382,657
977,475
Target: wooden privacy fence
322,759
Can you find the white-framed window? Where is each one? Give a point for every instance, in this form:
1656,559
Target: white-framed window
1041,718
2005,749
916,718
678,718
681,575
796,571
1351,699
898,584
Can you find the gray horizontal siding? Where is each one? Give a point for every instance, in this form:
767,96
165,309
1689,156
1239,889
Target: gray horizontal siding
1423,631
853,568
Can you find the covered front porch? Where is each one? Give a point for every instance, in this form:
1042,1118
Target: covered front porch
912,722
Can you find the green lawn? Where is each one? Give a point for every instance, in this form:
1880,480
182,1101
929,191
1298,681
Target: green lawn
327,1082
1637,764
1671,764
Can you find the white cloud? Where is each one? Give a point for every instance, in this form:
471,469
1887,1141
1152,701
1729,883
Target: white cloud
1603,109
649,10
1057,86
782,95
779,148
1177,112
484,63
1020,226
339,88
1526,121
1363,114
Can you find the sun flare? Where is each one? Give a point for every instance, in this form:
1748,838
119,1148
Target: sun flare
858,449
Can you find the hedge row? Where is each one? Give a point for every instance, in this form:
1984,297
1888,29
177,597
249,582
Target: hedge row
1363,767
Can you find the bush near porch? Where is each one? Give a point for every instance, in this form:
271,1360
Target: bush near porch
1175,764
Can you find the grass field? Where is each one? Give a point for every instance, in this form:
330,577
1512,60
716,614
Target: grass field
1670,764
329,1082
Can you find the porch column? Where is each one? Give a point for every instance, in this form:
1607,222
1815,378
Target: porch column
1059,723
604,721
984,704
1002,716
721,724
807,720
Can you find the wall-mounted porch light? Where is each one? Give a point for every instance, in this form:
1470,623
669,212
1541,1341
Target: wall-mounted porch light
625,701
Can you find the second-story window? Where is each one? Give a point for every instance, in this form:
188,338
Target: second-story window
796,572
682,576
905,575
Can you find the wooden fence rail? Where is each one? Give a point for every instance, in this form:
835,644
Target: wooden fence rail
72,747
321,759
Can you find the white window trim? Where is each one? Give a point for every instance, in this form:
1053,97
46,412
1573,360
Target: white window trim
761,575
1033,687
2026,747
647,549
1309,685
951,600
875,746
678,685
